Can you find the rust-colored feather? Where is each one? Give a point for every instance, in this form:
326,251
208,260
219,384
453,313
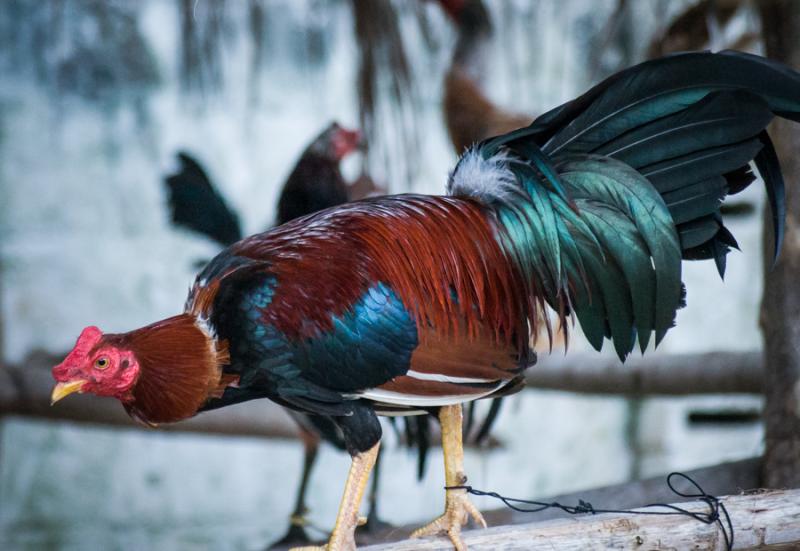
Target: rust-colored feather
409,385
439,254
180,368
480,358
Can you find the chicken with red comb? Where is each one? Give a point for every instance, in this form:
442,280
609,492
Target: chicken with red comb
397,305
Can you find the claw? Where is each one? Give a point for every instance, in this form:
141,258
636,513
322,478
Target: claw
458,509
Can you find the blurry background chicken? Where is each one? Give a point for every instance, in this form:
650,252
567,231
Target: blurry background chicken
469,114
315,183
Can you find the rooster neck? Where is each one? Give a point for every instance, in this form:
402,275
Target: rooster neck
180,369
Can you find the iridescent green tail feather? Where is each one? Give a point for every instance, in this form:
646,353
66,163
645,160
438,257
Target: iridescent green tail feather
601,198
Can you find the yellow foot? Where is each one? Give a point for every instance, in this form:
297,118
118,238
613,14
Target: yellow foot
458,508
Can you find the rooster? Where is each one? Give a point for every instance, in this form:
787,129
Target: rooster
469,114
399,304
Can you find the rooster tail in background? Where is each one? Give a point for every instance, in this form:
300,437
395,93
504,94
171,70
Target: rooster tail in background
600,199
198,206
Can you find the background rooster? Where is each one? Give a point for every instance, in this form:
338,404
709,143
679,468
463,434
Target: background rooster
469,114
399,304
315,183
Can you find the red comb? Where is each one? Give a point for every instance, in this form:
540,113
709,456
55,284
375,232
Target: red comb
88,338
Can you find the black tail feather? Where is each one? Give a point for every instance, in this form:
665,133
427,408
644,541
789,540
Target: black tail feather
197,205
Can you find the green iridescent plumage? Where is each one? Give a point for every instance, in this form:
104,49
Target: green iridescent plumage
611,191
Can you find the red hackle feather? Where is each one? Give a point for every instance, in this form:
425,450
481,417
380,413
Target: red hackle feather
180,368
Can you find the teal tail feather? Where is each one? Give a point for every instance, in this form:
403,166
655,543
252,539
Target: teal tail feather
599,200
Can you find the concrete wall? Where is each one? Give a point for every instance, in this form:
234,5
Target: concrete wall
85,240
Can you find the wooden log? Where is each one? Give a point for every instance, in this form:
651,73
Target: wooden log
25,389
765,520
654,374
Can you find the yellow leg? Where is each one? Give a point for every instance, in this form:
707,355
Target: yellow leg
458,508
343,535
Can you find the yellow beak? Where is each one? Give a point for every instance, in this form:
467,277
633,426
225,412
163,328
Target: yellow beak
65,389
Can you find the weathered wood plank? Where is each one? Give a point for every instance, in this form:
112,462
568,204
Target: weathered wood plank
768,520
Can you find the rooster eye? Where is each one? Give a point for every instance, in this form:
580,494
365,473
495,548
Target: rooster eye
101,363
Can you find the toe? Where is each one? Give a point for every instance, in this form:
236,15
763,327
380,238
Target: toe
474,513
430,529
455,539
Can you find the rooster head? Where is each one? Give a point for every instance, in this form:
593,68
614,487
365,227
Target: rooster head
161,373
336,142
97,366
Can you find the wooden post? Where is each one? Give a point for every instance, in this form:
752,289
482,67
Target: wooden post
769,520
780,308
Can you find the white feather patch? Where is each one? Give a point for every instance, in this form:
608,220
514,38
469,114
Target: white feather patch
446,378
413,400
486,180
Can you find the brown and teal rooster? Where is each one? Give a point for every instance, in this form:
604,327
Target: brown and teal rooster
399,304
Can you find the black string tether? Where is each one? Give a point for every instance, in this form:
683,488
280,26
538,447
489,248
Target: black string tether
712,516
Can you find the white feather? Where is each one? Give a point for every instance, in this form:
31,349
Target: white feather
486,180
412,400
446,378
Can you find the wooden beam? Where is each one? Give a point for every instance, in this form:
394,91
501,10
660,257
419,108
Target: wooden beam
654,374
25,389
767,520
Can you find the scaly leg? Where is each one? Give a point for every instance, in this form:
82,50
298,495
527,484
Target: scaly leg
374,523
343,535
458,508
